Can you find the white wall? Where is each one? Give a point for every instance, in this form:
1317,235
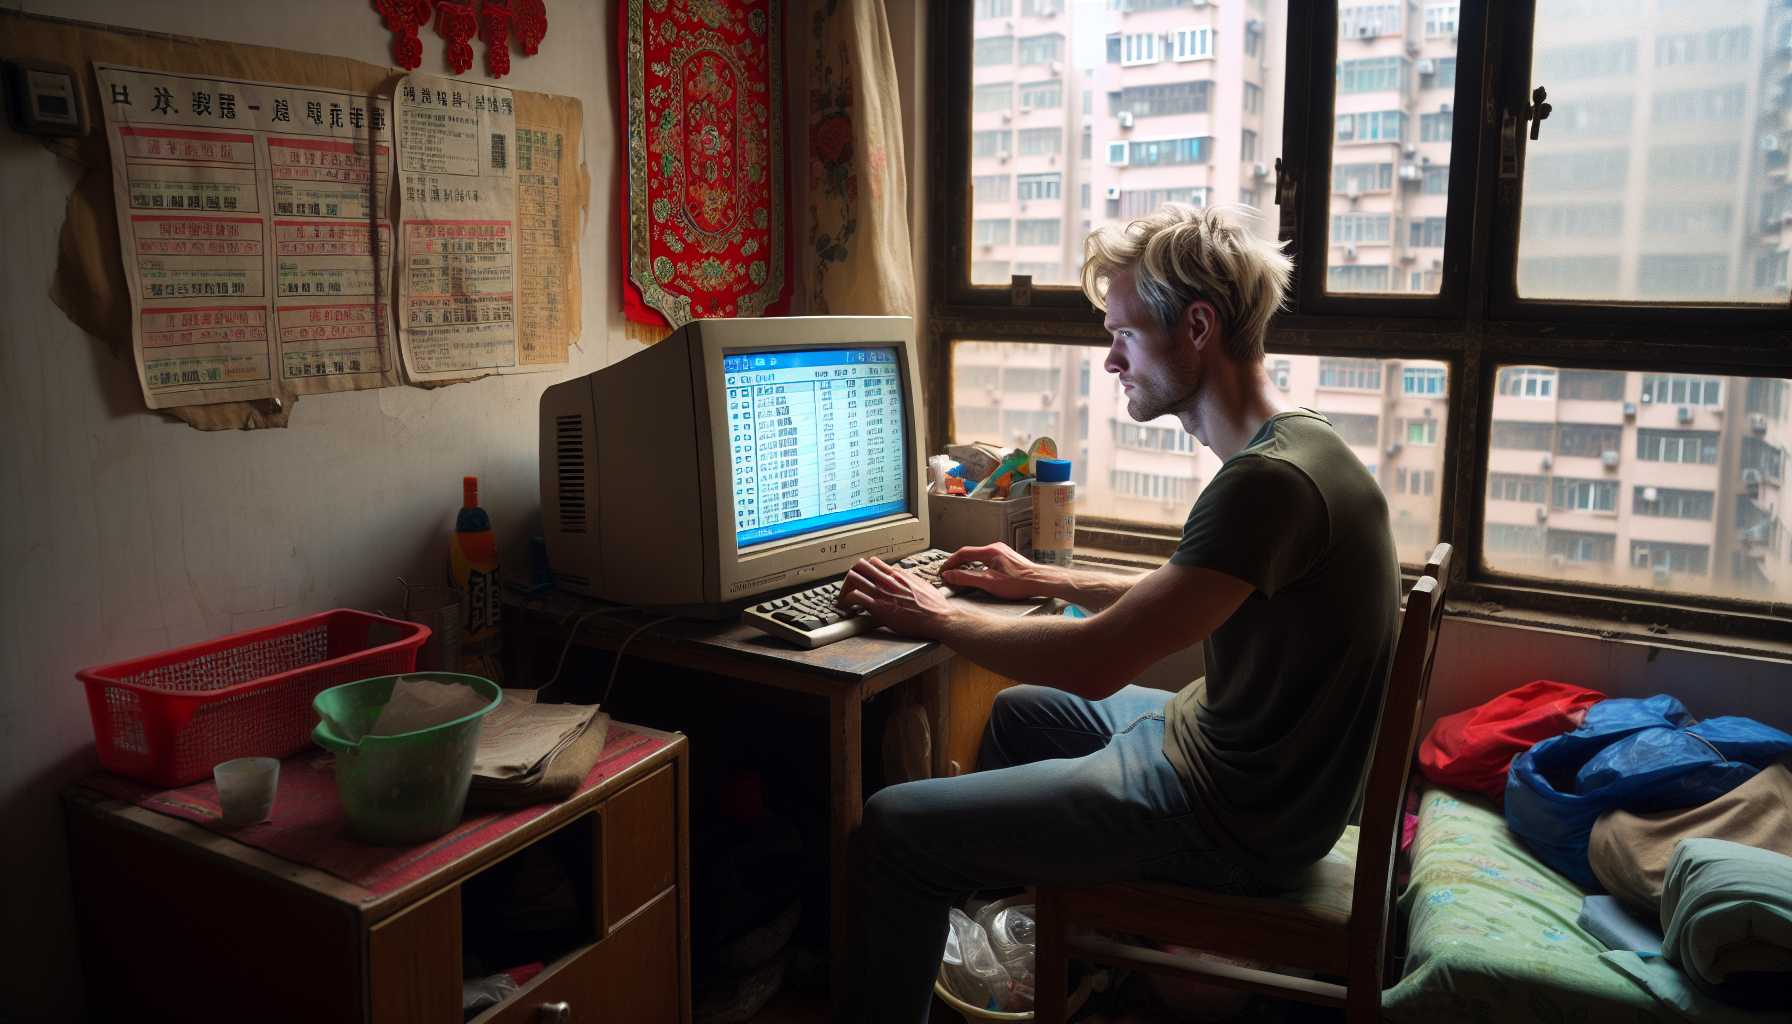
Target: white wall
124,533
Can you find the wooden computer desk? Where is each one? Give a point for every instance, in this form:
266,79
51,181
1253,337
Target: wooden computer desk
841,676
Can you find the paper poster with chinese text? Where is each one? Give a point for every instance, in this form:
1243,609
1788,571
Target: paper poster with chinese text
457,179
256,230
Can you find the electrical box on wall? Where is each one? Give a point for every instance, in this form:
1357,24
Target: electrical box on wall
44,98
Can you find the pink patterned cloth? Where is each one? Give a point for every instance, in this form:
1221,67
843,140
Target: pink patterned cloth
308,827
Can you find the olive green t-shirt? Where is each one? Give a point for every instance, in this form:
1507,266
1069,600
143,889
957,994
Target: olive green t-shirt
1273,744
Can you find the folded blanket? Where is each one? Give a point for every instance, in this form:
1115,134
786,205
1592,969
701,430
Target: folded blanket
1726,911
1612,923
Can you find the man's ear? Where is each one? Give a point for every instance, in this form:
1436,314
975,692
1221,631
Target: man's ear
1200,324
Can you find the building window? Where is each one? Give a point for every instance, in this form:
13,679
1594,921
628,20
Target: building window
1516,434
1572,495
994,8
1192,44
1373,74
1041,141
1699,163
1354,179
1042,95
1672,503
992,97
1725,103
990,232
1247,145
1041,49
1593,60
1278,373
1527,382
1253,98
1517,487
1515,540
992,51
1360,429
1356,279
1366,21
1427,233
1766,396
1359,227
1139,48
1038,232
1567,276
1419,481
1770,271
1577,546
1582,171
1762,458
1572,220
1436,127
1677,275
1372,126
1591,385
1041,8
1144,202
1594,118
1421,431
1436,180
991,143
1716,46
1682,389
1445,75
1253,38
1440,20
1040,186
1164,152
991,188
1350,374
1588,440
1083,197
1697,447
1157,100
1422,380
1661,556
1117,154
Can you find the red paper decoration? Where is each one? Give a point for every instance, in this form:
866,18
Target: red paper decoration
496,33
403,18
531,24
457,22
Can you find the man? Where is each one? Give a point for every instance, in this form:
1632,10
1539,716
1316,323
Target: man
1286,571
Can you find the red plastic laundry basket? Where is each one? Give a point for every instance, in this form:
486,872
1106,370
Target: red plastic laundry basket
167,718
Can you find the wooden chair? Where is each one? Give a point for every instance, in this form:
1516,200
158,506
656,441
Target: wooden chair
1334,924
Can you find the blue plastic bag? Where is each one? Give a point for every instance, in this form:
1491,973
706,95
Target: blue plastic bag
1634,755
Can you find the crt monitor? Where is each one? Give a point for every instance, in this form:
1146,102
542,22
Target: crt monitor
734,459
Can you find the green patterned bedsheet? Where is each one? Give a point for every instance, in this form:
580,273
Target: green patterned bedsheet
1491,933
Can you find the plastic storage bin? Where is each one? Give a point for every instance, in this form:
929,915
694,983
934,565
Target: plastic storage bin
167,718
405,788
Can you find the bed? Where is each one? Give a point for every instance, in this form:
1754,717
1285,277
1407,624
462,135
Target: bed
1491,933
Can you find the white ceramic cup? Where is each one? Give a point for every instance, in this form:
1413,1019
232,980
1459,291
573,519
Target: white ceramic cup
246,789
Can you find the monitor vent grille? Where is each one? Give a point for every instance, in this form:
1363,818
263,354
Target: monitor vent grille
569,458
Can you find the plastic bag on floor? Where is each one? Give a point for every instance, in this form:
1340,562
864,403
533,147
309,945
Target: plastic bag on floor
971,970
1011,937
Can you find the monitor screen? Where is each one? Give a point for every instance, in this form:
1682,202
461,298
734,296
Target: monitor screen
817,438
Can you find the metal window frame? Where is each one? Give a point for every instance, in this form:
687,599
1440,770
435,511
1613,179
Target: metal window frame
1473,325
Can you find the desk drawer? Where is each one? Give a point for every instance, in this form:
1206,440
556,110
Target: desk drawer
631,976
640,846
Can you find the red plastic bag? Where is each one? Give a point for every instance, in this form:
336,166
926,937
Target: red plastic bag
1473,749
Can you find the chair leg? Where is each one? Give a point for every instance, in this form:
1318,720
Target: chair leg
1362,1004
1051,981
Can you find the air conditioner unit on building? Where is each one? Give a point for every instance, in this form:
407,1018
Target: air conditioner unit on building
1543,514
1007,116
1353,191
1757,423
1437,263
1609,458
1259,171
1651,494
1393,448
1408,172
1427,68
1557,562
1547,461
1685,414
1444,108
1408,257
1630,410
1026,108
1409,149
1125,118
1365,31
1113,193
1001,158
1751,481
1057,69
1424,160
1349,252
1770,143
1046,398
1648,398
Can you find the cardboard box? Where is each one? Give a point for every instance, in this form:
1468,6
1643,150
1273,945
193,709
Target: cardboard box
955,522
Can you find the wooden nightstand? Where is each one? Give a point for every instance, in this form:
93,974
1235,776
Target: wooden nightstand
182,923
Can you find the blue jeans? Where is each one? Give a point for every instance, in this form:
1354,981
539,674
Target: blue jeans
1067,790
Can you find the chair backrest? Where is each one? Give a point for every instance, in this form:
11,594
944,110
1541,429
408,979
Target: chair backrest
1390,765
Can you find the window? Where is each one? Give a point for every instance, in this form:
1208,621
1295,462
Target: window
1248,197
1579,546
1360,429
1427,233
1716,46
1037,232
1247,145
992,188
1353,179
1156,486
1417,481
1366,21
1192,44
1683,276
1041,49
1770,271
1576,495
1762,457
1578,220
994,8
1163,152
1149,438
1591,385
1356,279
1041,8
1567,277
974,423
1598,117
1574,171
1373,74
1590,60
1083,197
1158,100
1117,154
993,97
1524,487
1445,78
1139,48
988,271
1359,227
1588,440
1042,95
1421,431
1031,379
1536,437
1374,126
1253,98
1440,20
1041,141
1088,142
990,232
1681,389
990,143
1435,127
1661,556
1766,397
1527,382
1040,186
1253,38
1723,103
1671,502
1700,164
1278,372
1509,539
1436,180
1140,202
992,51
1422,380
1352,374
1042,271
1677,218
1684,446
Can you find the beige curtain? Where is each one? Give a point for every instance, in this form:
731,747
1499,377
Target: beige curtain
856,256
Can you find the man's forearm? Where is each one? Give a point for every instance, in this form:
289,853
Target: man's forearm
1050,650
1089,588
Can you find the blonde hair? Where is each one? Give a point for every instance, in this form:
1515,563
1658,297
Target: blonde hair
1182,253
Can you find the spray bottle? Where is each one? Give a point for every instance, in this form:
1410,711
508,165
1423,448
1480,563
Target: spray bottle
473,568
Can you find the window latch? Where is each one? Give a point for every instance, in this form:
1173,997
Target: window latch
1286,189
1538,111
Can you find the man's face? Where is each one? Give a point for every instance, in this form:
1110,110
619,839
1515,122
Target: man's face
1159,368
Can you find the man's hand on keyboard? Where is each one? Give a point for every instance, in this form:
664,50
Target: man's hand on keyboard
1003,572
896,598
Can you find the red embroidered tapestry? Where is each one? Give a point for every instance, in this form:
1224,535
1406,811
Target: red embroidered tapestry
705,232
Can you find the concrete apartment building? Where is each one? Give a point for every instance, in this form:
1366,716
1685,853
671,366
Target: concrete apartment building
1632,478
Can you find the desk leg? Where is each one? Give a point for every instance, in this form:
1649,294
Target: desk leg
846,799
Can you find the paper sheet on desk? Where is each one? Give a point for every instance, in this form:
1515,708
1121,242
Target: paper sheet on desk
519,734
